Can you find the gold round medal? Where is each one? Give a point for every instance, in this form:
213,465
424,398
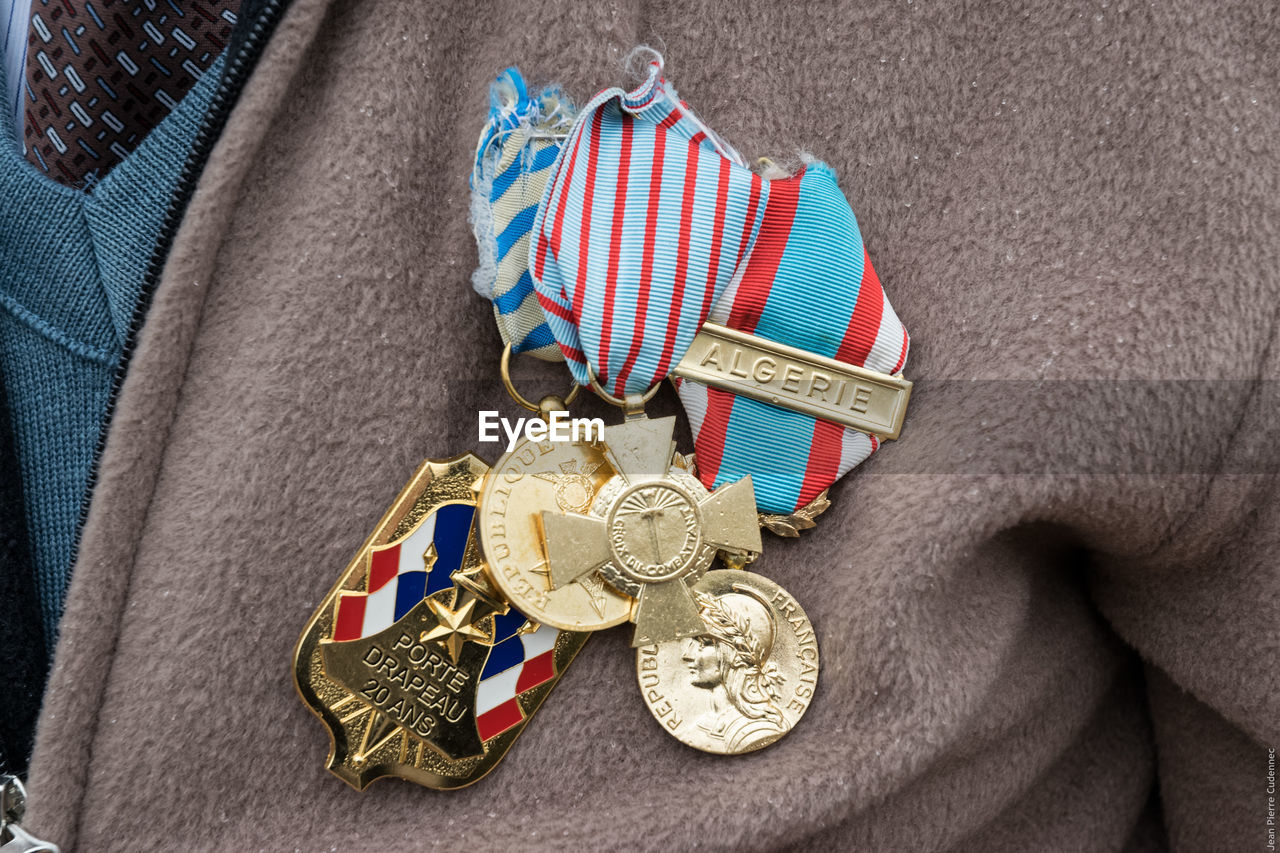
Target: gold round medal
744,682
558,477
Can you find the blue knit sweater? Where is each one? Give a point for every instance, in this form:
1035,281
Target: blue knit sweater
71,269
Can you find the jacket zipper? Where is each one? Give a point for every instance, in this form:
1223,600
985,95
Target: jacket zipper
235,73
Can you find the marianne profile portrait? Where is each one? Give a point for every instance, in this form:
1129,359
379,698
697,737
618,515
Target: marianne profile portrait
732,663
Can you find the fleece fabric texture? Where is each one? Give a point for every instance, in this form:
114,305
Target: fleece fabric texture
72,264
1047,615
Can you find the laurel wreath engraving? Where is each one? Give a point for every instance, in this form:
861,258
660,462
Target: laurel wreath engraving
749,654
789,526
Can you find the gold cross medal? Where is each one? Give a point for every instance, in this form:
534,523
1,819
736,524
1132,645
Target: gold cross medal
415,664
585,535
640,530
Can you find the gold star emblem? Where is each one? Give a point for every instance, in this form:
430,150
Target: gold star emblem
454,627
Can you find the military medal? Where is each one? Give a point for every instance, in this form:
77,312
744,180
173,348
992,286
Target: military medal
630,241
415,664
745,679
564,478
652,531
656,252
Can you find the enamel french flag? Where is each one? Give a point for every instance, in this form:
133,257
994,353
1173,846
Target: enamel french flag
405,572
518,662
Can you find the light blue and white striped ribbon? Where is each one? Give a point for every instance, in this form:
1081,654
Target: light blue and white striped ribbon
516,151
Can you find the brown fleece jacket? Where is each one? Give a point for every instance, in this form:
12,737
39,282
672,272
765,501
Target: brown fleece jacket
1048,615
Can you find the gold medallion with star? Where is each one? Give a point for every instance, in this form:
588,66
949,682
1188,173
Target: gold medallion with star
395,665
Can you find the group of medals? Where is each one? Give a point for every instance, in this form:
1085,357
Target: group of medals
631,242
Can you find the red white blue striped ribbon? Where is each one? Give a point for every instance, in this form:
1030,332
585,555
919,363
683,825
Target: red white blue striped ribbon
650,225
641,227
809,284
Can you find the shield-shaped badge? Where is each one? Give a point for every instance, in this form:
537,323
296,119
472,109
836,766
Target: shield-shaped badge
416,664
